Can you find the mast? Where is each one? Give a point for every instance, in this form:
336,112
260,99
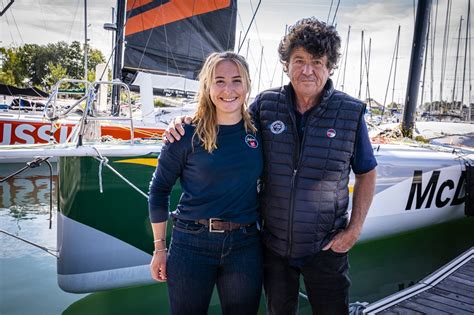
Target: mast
416,59
282,70
329,13
425,61
390,73
453,106
260,70
335,14
445,50
247,51
117,72
433,38
113,39
465,55
361,58
397,46
248,29
470,62
85,40
367,66
345,59
240,37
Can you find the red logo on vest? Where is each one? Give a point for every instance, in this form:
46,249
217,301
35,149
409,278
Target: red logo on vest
331,133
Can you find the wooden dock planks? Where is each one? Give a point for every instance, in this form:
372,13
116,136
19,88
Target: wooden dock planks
450,290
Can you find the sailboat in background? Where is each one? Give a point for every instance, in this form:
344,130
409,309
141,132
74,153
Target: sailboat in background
164,48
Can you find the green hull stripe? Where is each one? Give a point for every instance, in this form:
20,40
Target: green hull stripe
119,211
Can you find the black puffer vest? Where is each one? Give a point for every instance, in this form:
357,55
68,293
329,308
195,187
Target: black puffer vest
305,195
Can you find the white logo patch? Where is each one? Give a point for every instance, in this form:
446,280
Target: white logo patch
251,141
277,127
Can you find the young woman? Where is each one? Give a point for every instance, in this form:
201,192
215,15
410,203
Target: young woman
215,239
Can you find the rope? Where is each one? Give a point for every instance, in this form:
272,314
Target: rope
142,131
104,161
32,164
250,24
356,308
52,252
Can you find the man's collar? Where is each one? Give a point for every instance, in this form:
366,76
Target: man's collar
328,90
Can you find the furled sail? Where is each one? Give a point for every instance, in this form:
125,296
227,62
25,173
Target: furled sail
174,37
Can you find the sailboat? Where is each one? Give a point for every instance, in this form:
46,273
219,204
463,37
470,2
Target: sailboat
104,236
156,59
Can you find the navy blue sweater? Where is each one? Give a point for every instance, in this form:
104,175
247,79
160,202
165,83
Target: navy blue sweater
218,185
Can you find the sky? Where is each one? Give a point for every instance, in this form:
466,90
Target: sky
45,21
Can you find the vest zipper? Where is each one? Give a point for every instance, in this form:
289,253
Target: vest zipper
292,210
299,154
297,160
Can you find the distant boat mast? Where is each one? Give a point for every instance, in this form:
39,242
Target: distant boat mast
445,50
85,40
468,40
433,37
345,59
468,22
361,74
453,105
394,57
117,69
425,62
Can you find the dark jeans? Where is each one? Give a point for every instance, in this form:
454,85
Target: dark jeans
198,260
325,277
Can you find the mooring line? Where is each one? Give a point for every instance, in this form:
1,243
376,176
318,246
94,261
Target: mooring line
104,161
52,252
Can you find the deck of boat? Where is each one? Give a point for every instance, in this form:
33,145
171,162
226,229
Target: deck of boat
450,290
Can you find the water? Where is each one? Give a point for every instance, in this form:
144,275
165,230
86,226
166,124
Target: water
28,274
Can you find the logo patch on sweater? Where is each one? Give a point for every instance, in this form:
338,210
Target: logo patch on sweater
251,141
331,133
277,127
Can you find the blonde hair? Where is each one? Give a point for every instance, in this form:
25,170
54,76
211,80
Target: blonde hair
206,117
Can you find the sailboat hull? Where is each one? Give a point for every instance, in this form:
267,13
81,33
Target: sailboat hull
34,129
105,239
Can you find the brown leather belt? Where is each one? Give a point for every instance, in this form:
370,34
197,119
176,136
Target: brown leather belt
218,226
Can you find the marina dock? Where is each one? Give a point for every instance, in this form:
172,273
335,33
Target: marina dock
449,290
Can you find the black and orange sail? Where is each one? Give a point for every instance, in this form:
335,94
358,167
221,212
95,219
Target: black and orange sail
175,36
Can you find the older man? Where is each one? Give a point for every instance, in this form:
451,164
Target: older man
313,135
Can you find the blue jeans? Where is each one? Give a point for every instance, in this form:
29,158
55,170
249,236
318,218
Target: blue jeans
198,260
325,277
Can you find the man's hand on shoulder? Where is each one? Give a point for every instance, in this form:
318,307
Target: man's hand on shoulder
175,129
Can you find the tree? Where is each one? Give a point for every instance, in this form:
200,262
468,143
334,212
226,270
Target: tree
13,70
9,62
56,73
42,66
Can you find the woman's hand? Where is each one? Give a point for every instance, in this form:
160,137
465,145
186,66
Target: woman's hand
158,266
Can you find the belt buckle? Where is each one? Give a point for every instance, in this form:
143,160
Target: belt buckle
211,229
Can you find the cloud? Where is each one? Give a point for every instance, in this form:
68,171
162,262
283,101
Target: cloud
44,21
